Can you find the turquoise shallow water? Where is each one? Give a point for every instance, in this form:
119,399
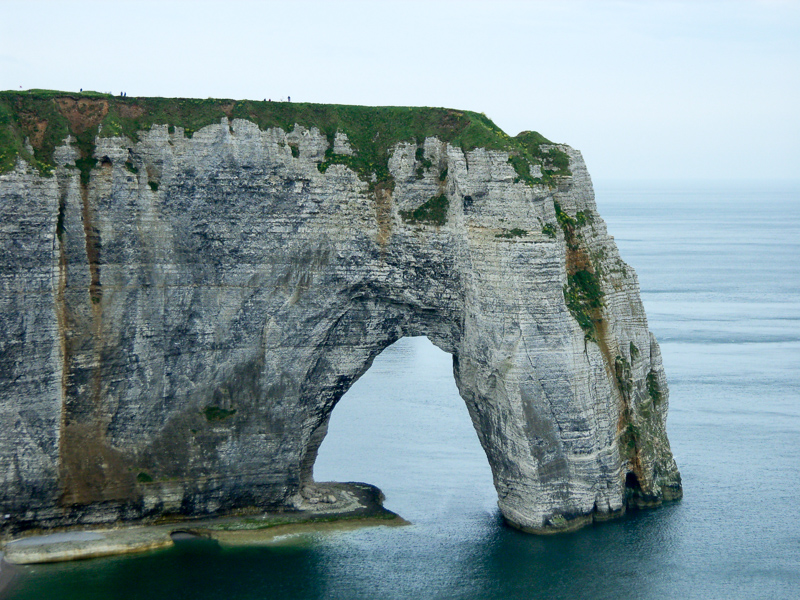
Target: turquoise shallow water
720,279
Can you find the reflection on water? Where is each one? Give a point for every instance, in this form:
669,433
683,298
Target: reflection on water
720,281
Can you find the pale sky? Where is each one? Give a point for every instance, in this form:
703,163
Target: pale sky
646,90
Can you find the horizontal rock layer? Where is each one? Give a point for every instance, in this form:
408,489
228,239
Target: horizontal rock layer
177,325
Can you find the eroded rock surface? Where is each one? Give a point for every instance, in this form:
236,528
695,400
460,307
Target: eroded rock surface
176,330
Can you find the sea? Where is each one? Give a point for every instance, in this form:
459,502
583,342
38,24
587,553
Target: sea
719,270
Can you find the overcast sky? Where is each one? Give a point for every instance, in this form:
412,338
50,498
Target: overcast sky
646,90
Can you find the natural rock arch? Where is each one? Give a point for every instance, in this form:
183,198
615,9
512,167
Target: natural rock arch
394,424
192,308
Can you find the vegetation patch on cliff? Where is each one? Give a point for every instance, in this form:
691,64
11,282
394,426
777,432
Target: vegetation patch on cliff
432,212
583,292
512,233
46,117
568,226
424,163
215,413
584,299
523,168
539,150
653,388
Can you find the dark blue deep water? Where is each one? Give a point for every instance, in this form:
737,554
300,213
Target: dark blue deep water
719,268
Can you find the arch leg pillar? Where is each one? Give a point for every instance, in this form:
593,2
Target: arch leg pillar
554,456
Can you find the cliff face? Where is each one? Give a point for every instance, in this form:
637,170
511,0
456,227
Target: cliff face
181,310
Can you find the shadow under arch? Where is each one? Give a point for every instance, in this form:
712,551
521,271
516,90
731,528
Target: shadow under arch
404,427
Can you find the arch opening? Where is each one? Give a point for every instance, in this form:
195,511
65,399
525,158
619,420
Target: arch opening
404,427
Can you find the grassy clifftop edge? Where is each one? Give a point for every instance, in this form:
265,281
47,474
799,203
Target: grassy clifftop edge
45,118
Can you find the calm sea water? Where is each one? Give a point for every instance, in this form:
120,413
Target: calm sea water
719,268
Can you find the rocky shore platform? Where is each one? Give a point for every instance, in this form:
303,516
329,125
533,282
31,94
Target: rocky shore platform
326,505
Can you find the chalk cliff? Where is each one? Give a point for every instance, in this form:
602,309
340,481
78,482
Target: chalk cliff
187,288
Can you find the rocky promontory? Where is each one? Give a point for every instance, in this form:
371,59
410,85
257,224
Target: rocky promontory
188,287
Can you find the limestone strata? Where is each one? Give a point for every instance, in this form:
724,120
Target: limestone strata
176,331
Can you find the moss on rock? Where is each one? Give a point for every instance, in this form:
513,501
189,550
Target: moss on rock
47,117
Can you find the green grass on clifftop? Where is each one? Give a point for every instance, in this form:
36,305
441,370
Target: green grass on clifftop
46,117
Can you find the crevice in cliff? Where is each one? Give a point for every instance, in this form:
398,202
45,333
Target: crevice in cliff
92,243
633,488
636,496
84,116
61,319
383,212
90,469
584,298
628,434
583,292
627,431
